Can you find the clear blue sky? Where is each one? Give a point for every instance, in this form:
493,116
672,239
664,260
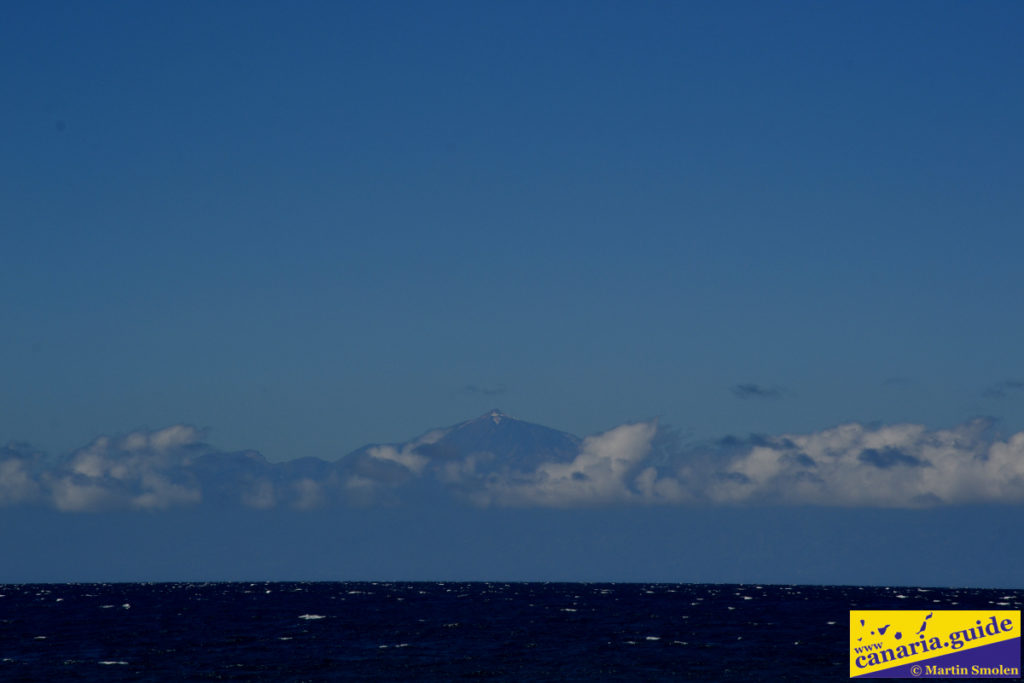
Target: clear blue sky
308,227
304,227
312,226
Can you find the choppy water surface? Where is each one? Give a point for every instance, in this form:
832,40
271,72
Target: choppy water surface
441,631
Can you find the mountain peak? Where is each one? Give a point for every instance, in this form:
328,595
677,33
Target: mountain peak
489,443
495,416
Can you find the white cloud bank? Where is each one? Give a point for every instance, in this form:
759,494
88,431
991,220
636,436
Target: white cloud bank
598,475
890,466
145,470
17,483
405,454
854,465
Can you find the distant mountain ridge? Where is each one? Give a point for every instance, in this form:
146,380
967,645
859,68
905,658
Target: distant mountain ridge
156,472
511,443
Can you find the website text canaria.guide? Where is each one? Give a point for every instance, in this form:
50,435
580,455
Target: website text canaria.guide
957,639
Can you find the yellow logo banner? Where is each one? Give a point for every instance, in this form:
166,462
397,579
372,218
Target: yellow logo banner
934,643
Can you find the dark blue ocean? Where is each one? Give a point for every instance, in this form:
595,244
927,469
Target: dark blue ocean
443,631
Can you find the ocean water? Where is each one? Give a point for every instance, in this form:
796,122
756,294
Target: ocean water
443,631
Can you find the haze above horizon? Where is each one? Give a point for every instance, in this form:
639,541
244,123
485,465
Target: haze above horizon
789,234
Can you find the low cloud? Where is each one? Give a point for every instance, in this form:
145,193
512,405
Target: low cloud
853,465
1004,388
17,474
143,469
749,390
157,470
406,454
598,475
889,466
643,463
